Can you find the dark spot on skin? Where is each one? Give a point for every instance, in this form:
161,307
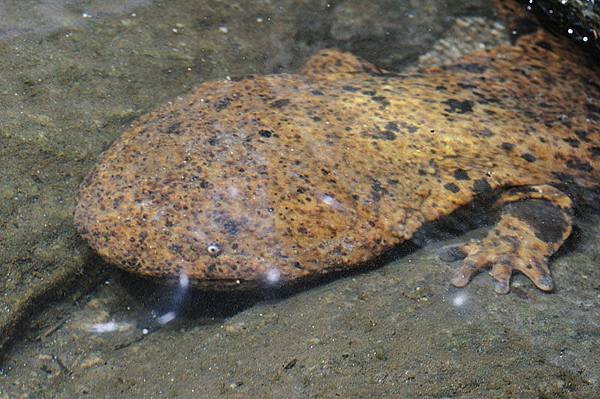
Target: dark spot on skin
387,135
392,126
350,88
176,249
544,45
409,127
461,174
507,146
460,107
529,157
582,134
280,103
481,186
452,187
231,227
579,165
486,133
573,142
487,100
546,219
265,133
174,128
377,191
222,103
466,85
381,100
595,151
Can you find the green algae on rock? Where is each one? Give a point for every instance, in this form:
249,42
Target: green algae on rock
285,177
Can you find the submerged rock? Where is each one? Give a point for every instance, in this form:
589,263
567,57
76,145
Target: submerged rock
577,19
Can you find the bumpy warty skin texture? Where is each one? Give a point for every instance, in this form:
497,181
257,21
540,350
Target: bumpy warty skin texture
290,176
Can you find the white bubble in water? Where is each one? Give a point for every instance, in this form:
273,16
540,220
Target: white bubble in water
184,280
111,326
273,275
459,299
328,199
166,318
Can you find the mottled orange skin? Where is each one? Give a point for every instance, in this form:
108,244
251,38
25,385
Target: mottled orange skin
297,175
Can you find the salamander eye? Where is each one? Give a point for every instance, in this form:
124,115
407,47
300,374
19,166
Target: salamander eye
213,249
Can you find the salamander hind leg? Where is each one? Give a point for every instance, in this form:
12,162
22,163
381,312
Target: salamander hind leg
534,223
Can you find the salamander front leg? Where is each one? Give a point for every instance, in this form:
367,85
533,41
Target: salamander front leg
534,223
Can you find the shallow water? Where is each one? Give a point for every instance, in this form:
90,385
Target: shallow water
74,74
18,18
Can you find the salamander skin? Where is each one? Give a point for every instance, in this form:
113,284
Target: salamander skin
287,177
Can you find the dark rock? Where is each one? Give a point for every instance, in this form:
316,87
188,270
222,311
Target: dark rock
577,19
